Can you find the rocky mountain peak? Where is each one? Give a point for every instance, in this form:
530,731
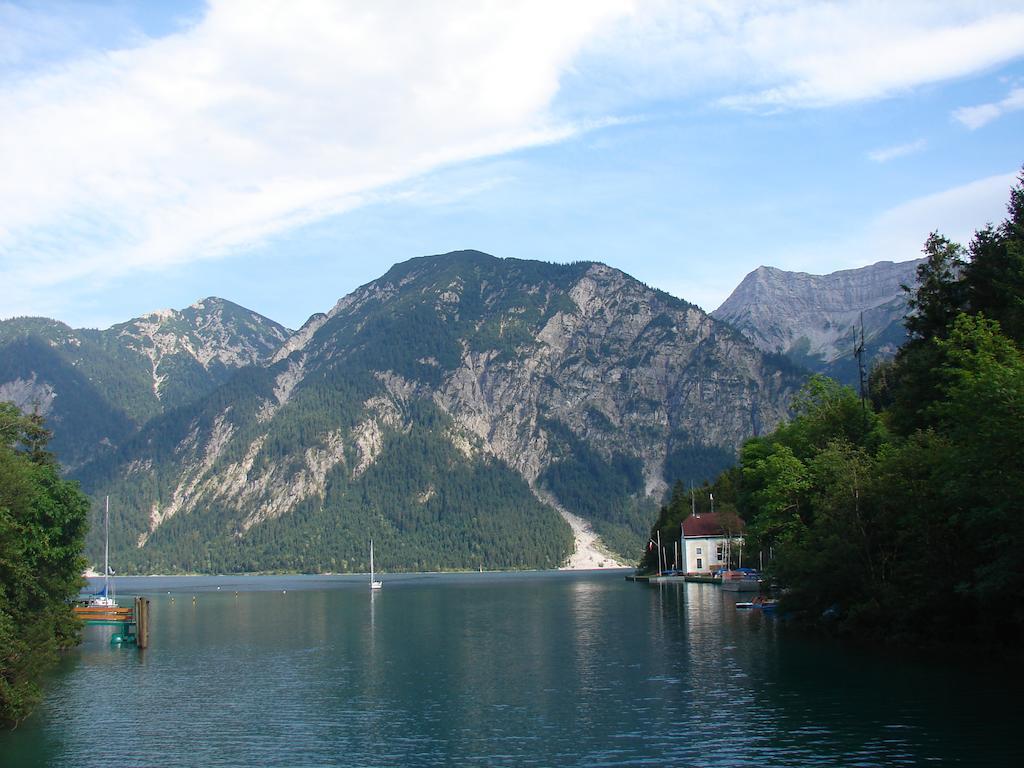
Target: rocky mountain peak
212,332
811,317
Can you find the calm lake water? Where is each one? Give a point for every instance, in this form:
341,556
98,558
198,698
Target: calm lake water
547,669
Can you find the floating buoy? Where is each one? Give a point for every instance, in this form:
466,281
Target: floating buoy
218,587
284,591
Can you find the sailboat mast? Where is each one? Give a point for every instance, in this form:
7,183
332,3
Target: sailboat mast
106,548
371,561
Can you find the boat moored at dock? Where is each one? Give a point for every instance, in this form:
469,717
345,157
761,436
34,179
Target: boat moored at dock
741,580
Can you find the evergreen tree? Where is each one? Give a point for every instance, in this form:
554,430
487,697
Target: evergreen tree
939,294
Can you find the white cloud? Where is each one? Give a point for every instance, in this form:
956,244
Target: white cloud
779,55
982,114
885,154
264,116
899,233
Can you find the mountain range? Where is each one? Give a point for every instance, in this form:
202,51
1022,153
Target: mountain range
451,409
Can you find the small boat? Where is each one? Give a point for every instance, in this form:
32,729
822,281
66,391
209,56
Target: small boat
759,603
373,583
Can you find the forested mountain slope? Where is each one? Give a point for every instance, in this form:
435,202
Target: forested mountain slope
96,388
430,408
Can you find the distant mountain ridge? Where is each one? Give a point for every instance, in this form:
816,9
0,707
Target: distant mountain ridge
811,318
445,408
98,387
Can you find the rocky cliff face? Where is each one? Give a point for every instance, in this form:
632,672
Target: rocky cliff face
626,370
411,400
811,318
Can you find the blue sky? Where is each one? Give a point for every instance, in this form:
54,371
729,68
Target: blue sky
281,154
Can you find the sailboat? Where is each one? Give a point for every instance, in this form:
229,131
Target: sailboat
105,597
373,584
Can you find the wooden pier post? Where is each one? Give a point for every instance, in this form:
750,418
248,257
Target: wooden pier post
142,622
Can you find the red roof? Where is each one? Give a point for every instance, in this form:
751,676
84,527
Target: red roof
708,525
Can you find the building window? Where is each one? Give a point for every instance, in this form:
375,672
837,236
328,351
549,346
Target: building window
700,551
700,563
720,552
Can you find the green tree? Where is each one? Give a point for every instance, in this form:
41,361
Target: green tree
982,414
779,483
42,529
939,295
994,276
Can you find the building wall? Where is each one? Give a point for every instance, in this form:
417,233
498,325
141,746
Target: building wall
707,554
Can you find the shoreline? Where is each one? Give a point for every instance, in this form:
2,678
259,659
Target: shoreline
332,574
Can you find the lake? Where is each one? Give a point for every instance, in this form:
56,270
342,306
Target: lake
546,669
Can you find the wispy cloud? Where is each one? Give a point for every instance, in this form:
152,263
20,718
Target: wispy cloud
900,232
885,154
783,55
982,114
260,117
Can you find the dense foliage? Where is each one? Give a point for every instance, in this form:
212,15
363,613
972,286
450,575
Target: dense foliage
42,526
902,517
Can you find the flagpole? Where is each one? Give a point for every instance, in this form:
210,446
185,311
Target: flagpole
682,546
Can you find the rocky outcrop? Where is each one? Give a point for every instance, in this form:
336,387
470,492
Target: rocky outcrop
626,369
213,334
29,394
811,318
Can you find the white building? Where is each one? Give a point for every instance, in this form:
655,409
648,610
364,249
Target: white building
706,543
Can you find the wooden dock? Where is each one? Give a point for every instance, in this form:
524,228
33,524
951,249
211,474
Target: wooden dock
133,621
654,578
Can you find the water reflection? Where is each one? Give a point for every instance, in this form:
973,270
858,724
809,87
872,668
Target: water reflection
563,669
